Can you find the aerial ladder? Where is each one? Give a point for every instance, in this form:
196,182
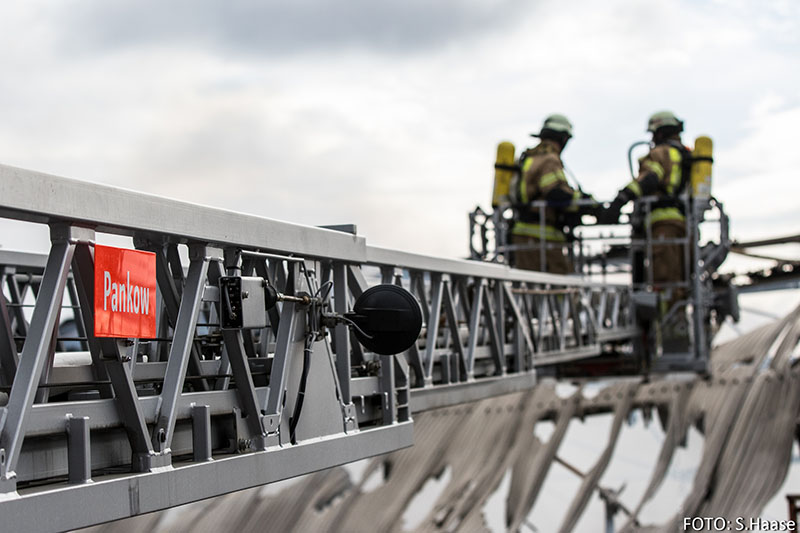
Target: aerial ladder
270,349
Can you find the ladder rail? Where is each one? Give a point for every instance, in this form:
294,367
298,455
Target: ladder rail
208,411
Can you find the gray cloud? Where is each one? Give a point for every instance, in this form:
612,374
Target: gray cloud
276,28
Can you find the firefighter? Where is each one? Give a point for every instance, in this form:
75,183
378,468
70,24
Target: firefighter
542,178
663,173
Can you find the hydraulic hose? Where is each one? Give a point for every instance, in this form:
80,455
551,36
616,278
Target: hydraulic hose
630,156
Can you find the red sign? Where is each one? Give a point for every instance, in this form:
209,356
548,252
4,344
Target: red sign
124,293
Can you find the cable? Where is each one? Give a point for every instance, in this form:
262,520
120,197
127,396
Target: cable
301,392
336,384
328,285
316,301
574,179
314,327
630,156
354,326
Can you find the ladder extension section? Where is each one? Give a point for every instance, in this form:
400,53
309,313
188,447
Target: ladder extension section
96,429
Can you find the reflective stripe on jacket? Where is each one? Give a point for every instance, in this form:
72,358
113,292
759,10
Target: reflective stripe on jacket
660,174
542,175
532,229
662,214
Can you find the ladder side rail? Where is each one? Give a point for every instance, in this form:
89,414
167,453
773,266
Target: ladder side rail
33,359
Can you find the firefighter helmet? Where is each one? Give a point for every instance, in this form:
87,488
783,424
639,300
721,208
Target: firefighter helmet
556,123
662,119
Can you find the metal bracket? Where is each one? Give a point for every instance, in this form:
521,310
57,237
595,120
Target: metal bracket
79,450
272,427
8,480
350,421
62,232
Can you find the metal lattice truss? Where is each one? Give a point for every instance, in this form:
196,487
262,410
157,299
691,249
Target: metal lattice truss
784,273
138,425
746,410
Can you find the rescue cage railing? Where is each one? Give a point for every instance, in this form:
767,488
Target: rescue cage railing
142,416
694,303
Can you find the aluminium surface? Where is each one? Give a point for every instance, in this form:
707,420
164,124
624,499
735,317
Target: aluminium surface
766,242
384,256
27,260
38,197
495,321
765,286
132,495
470,391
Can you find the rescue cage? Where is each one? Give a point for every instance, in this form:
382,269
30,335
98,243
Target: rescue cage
677,319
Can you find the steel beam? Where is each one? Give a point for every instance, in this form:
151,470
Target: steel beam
490,329
33,360
8,348
178,361
118,498
38,197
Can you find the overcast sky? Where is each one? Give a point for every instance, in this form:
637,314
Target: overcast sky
387,114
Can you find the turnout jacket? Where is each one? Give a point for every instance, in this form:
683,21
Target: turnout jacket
543,179
661,175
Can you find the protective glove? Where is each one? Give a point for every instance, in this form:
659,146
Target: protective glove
610,215
589,208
